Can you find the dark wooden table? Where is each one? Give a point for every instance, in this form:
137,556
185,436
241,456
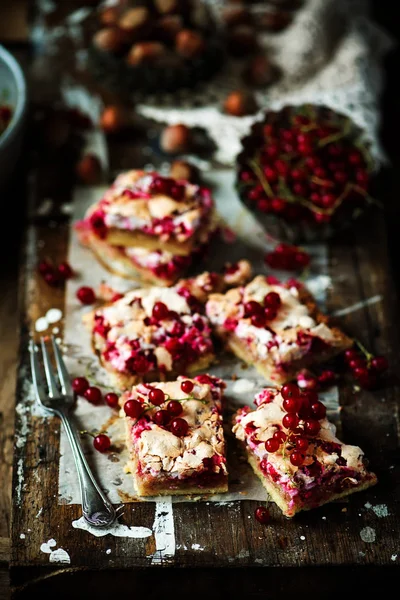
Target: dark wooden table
241,559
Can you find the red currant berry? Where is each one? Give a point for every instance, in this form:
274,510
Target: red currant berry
272,445
301,443
290,421
156,396
258,320
296,458
290,390
327,378
318,410
350,354
174,408
379,364
65,271
263,205
45,267
361,373
111,399
270,313
160,311
161,418
179,427
86,295
280,436
133,409
262,515
290,405
93,395
52,278
252,308
278,205
80,385
301,260
311,427
187,386
101,442
357,363
272,300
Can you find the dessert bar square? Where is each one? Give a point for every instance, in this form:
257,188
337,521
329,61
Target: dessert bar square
296,455
175,437
155,267
157,333
146,210
277,327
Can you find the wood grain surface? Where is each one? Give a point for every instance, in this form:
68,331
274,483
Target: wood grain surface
252,561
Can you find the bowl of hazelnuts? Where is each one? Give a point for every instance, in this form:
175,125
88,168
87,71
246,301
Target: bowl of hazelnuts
157,46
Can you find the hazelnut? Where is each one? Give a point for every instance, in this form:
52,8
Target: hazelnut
166,7
145,52
114,118
240,103
109,15
274,21
241,41
234,16
182,169
167,28
189,43
134,19
89,169
260,71
175,138
109,39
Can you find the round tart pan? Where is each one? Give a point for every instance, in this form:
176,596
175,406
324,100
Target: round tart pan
305,173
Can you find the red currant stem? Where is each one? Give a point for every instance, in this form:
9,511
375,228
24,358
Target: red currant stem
267,188
335,137
91,378
144,411
323,182
307,128
284,190
363,349
86,432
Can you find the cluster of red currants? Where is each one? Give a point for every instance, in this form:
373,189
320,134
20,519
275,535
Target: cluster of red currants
301,421
167,417
259,313
366,368
55,275
287,257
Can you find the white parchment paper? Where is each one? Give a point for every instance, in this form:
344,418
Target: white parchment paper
251,243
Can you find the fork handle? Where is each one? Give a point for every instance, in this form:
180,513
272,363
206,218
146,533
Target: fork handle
97,509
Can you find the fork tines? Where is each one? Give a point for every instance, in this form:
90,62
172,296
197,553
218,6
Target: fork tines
55,388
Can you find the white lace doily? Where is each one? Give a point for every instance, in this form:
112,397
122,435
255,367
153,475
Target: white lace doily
331,54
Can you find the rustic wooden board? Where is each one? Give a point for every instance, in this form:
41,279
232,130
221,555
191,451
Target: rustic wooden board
227,534
294,551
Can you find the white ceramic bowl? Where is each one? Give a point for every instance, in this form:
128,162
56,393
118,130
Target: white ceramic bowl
12,81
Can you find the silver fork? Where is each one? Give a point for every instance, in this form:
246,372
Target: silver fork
58,399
